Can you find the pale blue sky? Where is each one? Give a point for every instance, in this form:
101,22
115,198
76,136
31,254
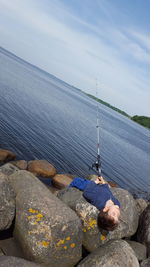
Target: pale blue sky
81,40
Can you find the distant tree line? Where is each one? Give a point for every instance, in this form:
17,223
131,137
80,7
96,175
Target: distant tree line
108,105
143,120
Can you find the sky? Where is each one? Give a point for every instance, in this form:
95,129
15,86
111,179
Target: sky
84,41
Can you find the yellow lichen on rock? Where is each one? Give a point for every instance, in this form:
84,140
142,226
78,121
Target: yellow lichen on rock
60,242
102,237
43,243
89,224
32,211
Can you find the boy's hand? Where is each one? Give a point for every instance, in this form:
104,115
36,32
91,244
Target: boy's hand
100,180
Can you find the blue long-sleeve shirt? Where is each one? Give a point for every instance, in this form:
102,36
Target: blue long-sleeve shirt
96,194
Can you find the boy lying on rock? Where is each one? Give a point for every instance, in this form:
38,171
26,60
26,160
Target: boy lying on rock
98,194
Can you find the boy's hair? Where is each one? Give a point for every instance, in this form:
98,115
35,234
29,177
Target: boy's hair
105,222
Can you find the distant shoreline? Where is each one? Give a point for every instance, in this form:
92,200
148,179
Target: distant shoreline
142,120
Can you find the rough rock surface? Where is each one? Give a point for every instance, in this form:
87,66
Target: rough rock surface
7,261
41,168
7,203
115,253
145,263
143,235
141,205
53,190
8,169
48,231
60,181
129,214
20,164
92,236
6,155
11,248
139,249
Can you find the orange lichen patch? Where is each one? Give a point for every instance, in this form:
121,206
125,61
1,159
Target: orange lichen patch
60,242
72,245
32,211
43,243
68,238
65,247
102,237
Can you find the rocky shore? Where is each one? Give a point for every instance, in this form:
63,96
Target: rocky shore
53,225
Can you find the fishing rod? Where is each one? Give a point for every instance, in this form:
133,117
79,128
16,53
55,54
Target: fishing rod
97,164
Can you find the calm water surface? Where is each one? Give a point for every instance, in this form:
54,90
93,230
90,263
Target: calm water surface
41,117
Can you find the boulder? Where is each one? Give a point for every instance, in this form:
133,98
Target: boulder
8,169
1,253
20,164
6,155
139,249
116,253
145,263
11,248
53,190
141,205
61,181
143,235
48,231
129,214
7,203
41,168
93,237
7,261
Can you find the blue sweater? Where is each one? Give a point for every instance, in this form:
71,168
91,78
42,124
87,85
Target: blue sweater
96,194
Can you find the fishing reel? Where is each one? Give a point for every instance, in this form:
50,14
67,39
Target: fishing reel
96,166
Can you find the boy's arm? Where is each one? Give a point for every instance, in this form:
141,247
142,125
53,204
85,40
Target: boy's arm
79,183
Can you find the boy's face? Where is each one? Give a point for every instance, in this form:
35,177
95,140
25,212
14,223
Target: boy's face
114,212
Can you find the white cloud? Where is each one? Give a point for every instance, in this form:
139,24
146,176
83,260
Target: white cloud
54,40
143,38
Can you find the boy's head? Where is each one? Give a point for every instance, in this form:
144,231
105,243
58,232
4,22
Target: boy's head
108,218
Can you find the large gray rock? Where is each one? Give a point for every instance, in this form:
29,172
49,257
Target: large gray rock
20,164
7,261
145,263
8,169
7,203
92,236
116,253
141,205
143,235
129,214
48,231
139,249
10,247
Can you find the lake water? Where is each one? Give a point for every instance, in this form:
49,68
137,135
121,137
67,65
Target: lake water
42,117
